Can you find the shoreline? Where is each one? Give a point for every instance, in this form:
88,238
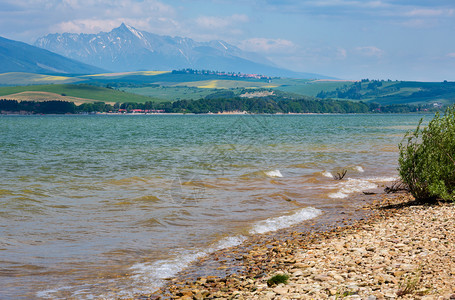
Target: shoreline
385,255
209,114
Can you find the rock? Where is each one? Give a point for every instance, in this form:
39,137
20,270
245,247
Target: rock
333,292
281,290
321,277
338,278
353,288
198,296
370,260
390,294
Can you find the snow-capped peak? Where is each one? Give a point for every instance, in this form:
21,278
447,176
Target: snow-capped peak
135,32
222,45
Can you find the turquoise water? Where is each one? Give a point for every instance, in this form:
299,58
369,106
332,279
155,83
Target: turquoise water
97,206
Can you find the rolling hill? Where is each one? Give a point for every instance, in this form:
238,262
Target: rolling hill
184,85
394,92
21,78
20,57
70,92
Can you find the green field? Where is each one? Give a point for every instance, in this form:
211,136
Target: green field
17,78
162,86
396,92
226,84
309,88
83,91
171,93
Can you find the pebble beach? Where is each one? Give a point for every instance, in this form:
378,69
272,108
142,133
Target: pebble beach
402,250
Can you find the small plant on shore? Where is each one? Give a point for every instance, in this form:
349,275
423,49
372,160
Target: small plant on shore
427,159
410,283
277,279
341,294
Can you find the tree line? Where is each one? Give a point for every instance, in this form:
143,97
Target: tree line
250,105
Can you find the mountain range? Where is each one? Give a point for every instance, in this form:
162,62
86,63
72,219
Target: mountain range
21,57
127,49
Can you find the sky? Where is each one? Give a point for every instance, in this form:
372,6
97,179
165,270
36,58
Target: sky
346,39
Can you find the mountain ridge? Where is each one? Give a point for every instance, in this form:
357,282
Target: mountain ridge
17,56
126,48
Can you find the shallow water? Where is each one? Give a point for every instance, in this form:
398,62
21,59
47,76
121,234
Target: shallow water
94,206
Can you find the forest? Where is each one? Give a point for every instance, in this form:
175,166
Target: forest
249,105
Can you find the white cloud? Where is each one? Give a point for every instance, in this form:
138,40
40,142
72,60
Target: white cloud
265,45
370,51
451,55
420,23
216,23
341,53
420,12
92,16
86,26
156,25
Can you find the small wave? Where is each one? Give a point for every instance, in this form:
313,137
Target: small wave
51,293
146,198
357,185
359,169
352,186
281,222
151,276
327,174
6,192
151,222
384,179
338,195
127,181
273,174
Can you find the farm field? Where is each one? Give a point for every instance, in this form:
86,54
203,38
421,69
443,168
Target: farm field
84,93
171,93
159,86
18,78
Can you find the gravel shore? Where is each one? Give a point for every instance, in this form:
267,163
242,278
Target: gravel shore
404,250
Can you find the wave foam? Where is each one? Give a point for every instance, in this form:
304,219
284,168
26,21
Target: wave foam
152,275
327,174
276,223
359,169
351,186
273,174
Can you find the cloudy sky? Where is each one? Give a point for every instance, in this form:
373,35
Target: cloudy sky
349,39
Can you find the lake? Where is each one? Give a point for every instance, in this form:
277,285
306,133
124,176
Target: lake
107,206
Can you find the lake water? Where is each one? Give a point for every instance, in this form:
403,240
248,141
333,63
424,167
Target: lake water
108,206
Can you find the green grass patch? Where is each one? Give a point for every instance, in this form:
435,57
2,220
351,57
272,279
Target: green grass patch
309,88
226,84
170,93
19,78
277,279
85,91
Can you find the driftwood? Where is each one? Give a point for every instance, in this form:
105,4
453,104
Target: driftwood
340,175
397,186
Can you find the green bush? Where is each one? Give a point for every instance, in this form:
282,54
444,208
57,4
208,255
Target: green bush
277,279
427,159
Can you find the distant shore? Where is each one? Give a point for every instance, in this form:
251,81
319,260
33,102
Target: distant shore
403,250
